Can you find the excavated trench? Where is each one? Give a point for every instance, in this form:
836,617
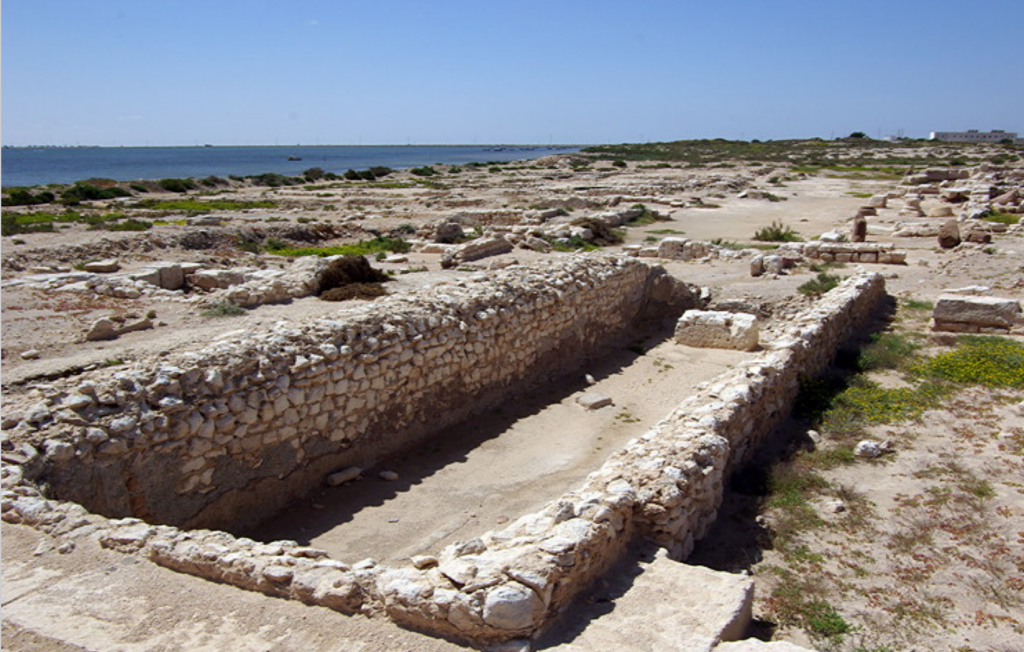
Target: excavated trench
541,495
510,461
232,435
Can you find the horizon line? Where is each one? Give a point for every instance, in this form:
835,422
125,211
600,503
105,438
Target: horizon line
211,145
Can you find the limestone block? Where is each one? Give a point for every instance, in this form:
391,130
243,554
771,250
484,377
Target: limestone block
718,329
512,606
105,266
593,401
774,264
981,312
672,248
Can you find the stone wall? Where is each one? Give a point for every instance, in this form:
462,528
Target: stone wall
228,435
855,252
665,485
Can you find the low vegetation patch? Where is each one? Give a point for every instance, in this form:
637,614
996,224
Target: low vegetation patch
646,216
223,309
25,197
980,360
378,245
571,244
727,244
196,206
777,232
1001,218
819,285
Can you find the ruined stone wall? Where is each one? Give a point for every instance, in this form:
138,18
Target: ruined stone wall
230,434
511,583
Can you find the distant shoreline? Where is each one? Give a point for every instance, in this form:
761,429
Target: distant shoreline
33,166
488,145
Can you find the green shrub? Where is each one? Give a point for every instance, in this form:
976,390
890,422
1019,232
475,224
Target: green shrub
425,171
23,197
274,180
129,225
777,232
619,163
214,181
177,185
223,309
819,285
823,620
83,191
313,174
250,246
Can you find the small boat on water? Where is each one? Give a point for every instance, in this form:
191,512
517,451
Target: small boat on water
294,158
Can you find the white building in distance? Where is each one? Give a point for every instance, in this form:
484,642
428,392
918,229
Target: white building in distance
975,136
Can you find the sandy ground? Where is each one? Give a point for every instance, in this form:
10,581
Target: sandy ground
542,442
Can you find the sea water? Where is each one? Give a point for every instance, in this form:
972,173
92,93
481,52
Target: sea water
28,166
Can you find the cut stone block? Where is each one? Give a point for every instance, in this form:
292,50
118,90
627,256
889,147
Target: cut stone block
593,401
967,313
718,330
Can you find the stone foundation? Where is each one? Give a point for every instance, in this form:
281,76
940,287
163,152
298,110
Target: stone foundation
855,252
145,431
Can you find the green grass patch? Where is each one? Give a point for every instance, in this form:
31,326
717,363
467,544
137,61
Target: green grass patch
865,402
917,305
378,245
728,244
889,351
130,224
1002,218
196,206
571,244
980,360
665,232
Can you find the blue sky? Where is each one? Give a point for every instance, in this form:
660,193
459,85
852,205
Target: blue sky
153,72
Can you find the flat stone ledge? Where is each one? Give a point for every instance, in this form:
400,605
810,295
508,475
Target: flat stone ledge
718,329
975,314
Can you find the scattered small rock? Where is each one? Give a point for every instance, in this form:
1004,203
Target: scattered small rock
346,475
106,266
835,506
31,354
423,561
593,401
868,449
389,476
